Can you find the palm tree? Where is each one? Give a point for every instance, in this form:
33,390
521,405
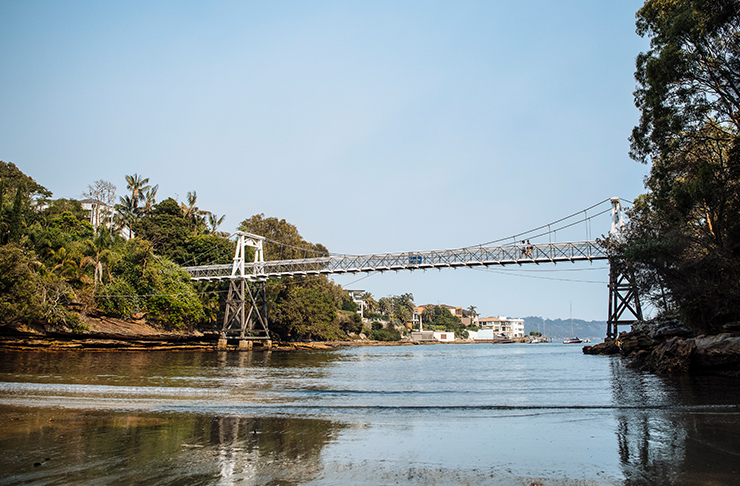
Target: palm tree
69,266
190,209
150,199
129,205
407,300
214,221
137,185
126,205
191,212
405,307
98,250
370,303
385,306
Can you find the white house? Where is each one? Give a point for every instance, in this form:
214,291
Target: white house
358,300
102,215
444,336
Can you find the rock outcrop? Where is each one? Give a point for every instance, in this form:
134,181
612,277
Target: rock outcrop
672,357
609,346
666,347
719,354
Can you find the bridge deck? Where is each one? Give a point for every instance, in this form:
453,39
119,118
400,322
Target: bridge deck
414,260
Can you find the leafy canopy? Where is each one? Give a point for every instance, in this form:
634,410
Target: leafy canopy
683,239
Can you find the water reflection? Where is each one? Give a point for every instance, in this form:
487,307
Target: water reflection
65,447
675,431
439,414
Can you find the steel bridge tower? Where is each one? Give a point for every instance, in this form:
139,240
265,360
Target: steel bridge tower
624,300
242,317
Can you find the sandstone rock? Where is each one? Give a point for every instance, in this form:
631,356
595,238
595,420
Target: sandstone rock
638,359
722,350
633,341
607,347
672,357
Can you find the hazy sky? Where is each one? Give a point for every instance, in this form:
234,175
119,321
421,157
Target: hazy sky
372,126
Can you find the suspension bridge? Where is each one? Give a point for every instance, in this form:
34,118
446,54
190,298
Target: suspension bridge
245,321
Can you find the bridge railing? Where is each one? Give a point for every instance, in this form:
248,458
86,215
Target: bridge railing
514,254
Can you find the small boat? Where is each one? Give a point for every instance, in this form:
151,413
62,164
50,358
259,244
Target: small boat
572,339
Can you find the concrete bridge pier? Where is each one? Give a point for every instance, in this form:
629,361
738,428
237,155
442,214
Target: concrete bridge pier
245,345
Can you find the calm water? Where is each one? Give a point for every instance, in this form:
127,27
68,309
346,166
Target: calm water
445,414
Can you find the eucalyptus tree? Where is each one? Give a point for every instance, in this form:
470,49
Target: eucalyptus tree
683,239
13,178
284,242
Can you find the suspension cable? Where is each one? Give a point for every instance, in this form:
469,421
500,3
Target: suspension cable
549,231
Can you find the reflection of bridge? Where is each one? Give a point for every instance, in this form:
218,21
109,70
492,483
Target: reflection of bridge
246,280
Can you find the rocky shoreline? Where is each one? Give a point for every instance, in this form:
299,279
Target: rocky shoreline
666,347
102,333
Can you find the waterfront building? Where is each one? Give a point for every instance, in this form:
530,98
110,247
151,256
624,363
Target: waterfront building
422,336
511,328
357,298
484,335
444,336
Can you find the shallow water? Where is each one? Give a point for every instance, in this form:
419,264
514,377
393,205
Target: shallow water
440,414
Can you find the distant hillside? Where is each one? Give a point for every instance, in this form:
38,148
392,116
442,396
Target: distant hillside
560,328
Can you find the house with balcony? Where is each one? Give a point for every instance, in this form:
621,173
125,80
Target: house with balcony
102,215
503,326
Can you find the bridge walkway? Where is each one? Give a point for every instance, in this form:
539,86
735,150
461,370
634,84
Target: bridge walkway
512,254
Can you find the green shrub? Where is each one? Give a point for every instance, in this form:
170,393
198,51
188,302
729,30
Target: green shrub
19,287
385,335
118,298
170,297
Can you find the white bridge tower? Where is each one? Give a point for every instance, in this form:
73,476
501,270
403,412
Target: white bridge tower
242,317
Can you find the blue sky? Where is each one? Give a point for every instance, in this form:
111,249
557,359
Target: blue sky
371,126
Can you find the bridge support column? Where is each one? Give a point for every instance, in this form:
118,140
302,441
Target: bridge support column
623,298
245,345
623,295
242,314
